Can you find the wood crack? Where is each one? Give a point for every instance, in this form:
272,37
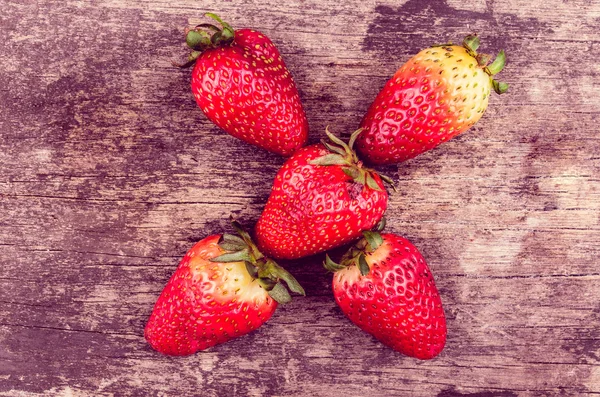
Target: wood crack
124,200
521,276
2,324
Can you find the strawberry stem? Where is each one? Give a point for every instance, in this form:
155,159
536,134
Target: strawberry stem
205,36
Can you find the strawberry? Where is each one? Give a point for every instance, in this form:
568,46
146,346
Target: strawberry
322,197
439,93
384,286
243,86
223,288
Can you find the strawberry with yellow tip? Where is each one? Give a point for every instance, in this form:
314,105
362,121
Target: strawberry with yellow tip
439,93
222,289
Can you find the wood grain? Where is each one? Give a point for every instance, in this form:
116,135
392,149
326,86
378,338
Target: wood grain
109,173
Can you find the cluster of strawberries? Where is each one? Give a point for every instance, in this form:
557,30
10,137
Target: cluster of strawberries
322,197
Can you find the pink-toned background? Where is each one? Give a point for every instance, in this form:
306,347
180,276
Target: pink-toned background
109,173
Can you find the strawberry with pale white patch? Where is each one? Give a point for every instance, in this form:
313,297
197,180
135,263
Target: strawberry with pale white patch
322,197
439,93
384,286
222,289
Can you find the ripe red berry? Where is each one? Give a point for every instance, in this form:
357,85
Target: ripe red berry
384,285
322,197
241,83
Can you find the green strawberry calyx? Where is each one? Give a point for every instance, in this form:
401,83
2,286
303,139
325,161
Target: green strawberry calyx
356,255
342,154
471,44
271,276
205,36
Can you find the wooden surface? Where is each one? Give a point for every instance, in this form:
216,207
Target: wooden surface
109,172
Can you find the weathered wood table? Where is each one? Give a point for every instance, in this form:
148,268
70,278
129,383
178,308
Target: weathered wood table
109,172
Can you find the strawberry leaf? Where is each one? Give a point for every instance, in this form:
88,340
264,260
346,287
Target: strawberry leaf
333,148
329,159
231,238
483,60
293,284
361,179
353,137
197,40
273,271
332,266
229,246
243,234
238,256
280,294
254,251
380,225
471,42
499,87
266,283
373,238
226,35
216,18
363,266
498,64
388,180
286,276
335,139
351,172
372,183
208,26
252,271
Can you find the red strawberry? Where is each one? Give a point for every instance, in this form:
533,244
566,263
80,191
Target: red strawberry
322,197
242,85
384,286
223,288
439,93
